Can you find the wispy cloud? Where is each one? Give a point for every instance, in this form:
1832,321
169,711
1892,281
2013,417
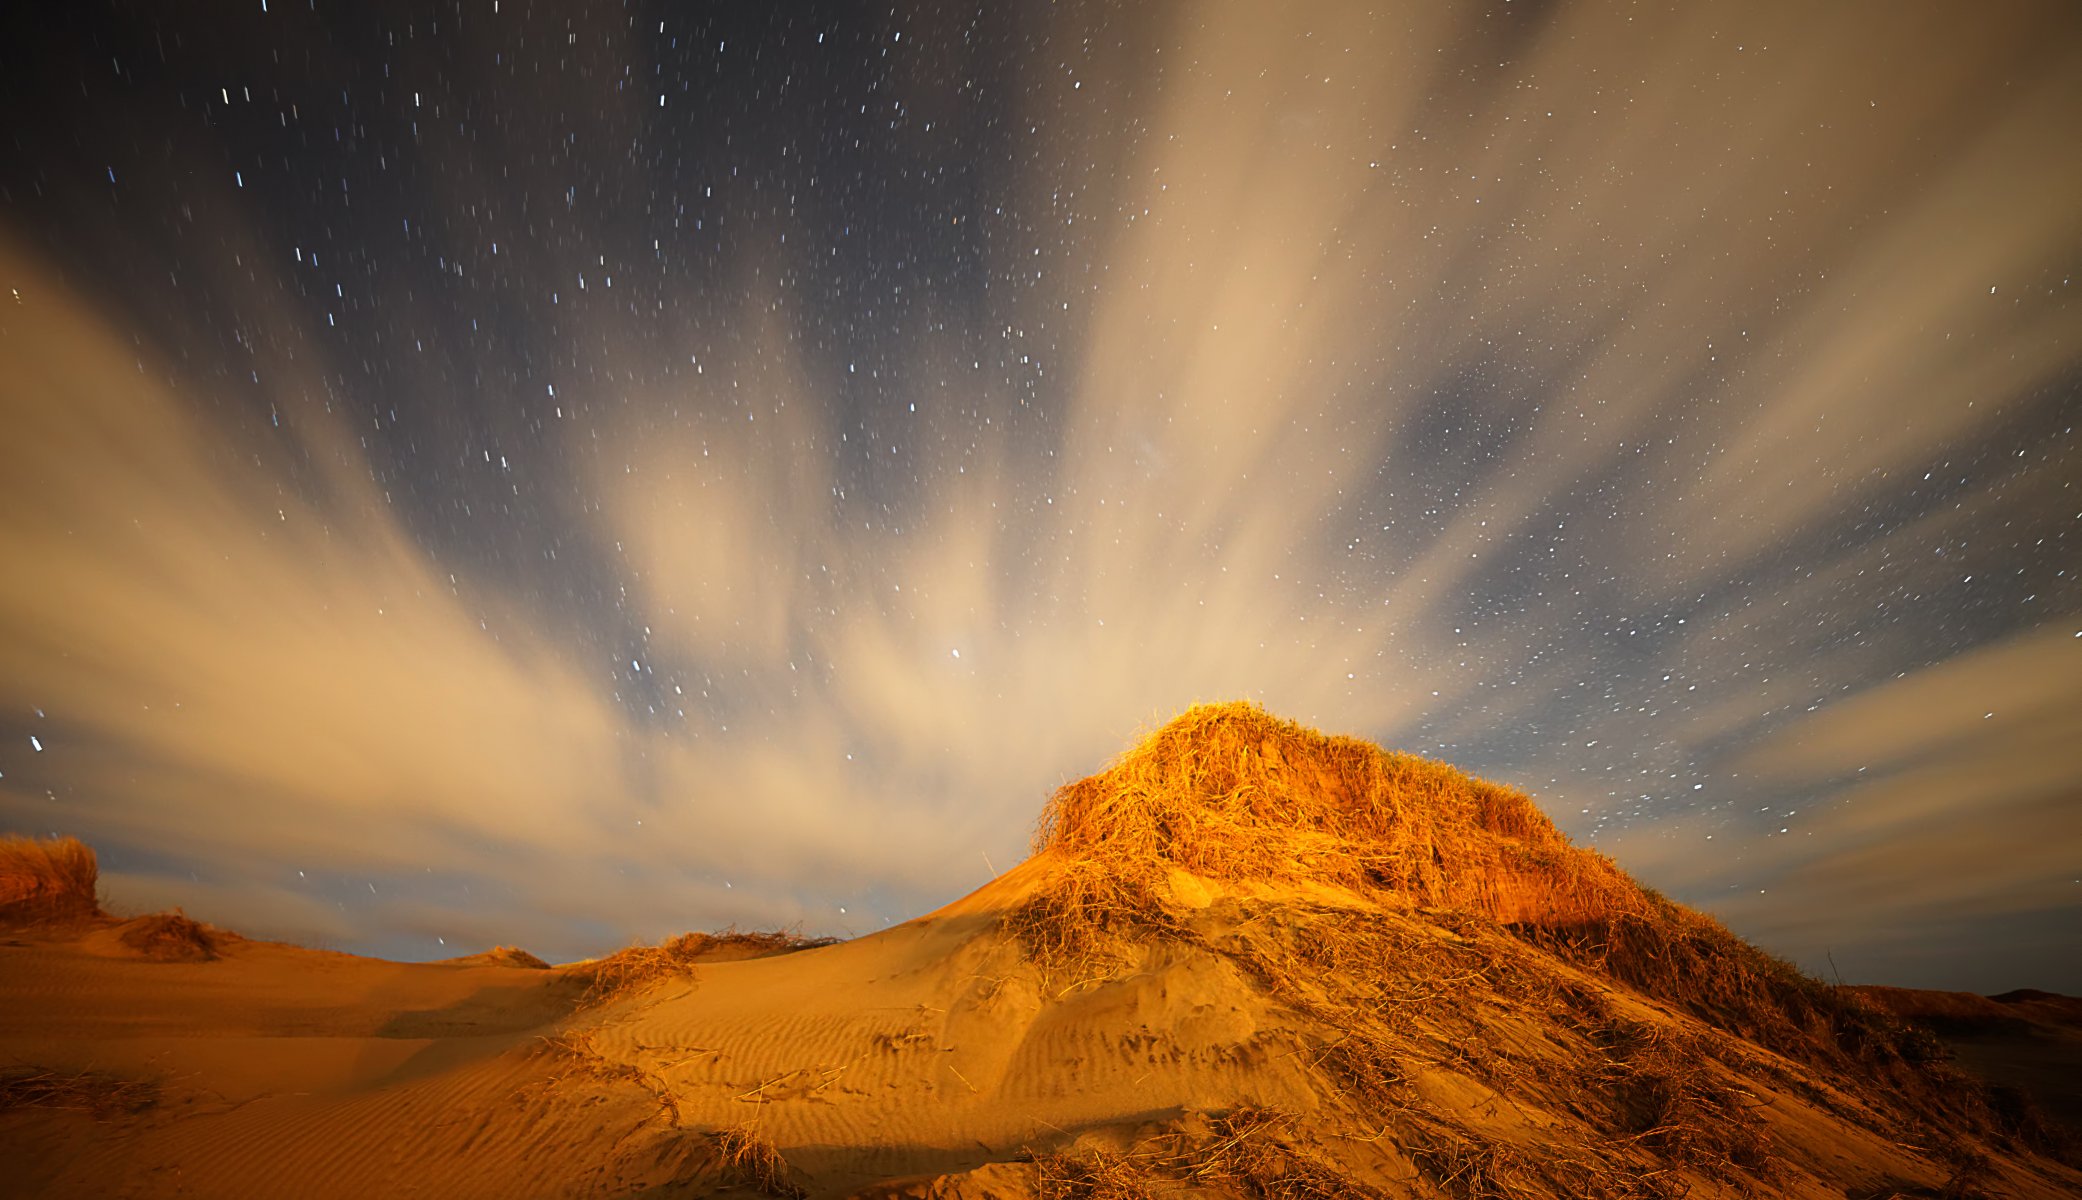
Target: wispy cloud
1639,410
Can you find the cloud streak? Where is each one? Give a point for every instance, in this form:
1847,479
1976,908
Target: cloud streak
1665,414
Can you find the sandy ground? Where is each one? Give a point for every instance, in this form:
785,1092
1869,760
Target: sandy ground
922,1061
1247,960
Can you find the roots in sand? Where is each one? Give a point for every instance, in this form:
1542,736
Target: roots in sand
99,1095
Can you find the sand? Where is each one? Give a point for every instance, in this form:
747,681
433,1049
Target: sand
1277,1034
925,1060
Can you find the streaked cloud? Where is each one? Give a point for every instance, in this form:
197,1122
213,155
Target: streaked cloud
1663,412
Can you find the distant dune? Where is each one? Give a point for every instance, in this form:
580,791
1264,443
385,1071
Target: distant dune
2026,1040
1246,960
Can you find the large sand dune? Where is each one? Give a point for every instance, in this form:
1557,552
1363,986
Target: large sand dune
1246,961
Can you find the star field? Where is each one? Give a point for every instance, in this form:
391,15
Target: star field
559,473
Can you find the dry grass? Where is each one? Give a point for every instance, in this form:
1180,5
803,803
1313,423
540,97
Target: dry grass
47,880
578,1057
1412,918
1238,797
1392,999
1693,962
1248,1152
1685,957
640,965
1472,1168
1668,1096
749,1159
1230,792
1089,920
171,937
99,1095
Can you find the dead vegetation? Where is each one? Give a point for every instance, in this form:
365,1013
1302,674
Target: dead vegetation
170,937
52,884
640,965
579,1058
1461,892
47,880
1669,1096
750,1160
578,1065
1088,921
1694,963
95,1093
1230,792
1247,1152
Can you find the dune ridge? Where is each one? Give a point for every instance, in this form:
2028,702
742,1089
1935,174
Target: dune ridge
1247,959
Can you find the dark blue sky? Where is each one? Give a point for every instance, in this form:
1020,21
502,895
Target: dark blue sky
558,473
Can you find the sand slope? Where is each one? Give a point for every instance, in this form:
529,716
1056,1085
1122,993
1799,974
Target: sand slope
905,1063
1313,1023
2028,1040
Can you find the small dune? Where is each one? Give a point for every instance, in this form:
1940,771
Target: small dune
640,965
170,937
500,956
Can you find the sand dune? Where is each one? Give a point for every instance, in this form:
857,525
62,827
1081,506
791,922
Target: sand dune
1245,961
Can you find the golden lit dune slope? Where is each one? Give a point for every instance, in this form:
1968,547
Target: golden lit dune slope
1246,960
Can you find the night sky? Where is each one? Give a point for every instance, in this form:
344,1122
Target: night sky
554,473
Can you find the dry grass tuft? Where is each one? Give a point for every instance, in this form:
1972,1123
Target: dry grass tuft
46,880
1230,792
97,1094
1471,1168
1088,920
751,1160
1693,962
640,965
1668,1097
577,1063
170,937
1247,1152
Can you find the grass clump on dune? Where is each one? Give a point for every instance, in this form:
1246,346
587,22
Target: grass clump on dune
47,880
1292,826
749,1159
636,966
1244,1152
1231,792
171,937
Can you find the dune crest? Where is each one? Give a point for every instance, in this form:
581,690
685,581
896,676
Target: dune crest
1245,960
1230,792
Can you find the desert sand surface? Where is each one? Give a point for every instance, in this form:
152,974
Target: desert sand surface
1247,960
